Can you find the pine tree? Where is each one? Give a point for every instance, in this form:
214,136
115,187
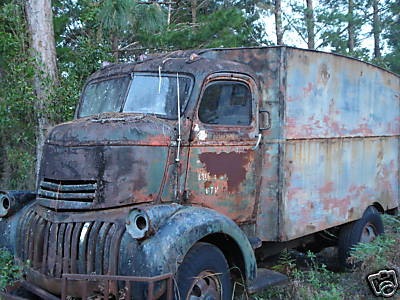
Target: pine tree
310,22
393,36
209,23
119,17
278,22
343,21
40,24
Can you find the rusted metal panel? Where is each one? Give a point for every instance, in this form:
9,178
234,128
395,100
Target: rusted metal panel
116,174
329,182
224,180
268,207
98,163
335,96
222,164
341,149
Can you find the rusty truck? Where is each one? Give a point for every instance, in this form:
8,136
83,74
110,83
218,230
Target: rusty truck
180,170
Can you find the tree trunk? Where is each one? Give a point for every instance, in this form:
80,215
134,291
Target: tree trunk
350,27
115,46
40,23
310,25
278,22
376,29
194,11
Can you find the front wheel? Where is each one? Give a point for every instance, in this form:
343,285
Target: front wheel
363,230
204,274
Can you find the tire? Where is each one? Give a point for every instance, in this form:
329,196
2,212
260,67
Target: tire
204,274
363,230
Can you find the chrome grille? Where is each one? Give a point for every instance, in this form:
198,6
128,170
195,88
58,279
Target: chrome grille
75,247
81,191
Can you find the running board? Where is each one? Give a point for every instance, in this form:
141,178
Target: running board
266,278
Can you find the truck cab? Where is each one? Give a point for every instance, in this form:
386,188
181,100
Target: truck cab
136,179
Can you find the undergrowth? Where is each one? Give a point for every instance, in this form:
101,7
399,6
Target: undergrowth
317,281
9,271
314,281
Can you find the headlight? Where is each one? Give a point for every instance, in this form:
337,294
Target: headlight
4,205
137,224
12,201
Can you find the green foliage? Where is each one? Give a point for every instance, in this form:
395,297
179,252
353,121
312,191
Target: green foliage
103,28
249,11
392,34
286,263
117,16
222,28
318,282
337,18
21,164
382,252
313,282
17,118
374,255
80,47
392,61
9,271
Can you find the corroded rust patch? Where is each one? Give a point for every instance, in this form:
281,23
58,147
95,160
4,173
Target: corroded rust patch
231,164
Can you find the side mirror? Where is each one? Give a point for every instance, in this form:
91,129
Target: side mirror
265,120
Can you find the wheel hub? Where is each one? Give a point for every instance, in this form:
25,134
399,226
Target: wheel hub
207,286
368,234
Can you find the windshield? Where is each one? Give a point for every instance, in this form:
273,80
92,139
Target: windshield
143,93
103,96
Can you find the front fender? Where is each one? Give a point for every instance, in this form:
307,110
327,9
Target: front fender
12,201
165,249
13,204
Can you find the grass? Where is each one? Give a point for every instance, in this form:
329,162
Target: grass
317,281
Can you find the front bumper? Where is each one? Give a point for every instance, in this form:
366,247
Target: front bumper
103,287
122,287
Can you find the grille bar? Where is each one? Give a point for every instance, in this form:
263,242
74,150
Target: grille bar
67,246
68,187
84,191
70,247
65,196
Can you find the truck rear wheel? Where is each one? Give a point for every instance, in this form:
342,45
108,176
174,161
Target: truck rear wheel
363,230
204,274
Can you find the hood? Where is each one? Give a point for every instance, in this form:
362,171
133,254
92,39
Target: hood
104,162
112,128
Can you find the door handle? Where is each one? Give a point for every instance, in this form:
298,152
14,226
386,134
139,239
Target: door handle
258,141
265,120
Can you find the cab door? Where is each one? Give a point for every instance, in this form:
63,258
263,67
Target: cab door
223,156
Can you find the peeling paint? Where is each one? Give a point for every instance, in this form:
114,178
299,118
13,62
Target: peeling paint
202,135
232,165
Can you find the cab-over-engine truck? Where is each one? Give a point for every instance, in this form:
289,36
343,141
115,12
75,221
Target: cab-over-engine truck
180,169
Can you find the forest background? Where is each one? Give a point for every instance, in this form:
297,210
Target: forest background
48,48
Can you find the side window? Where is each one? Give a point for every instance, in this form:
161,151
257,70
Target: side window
226,103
